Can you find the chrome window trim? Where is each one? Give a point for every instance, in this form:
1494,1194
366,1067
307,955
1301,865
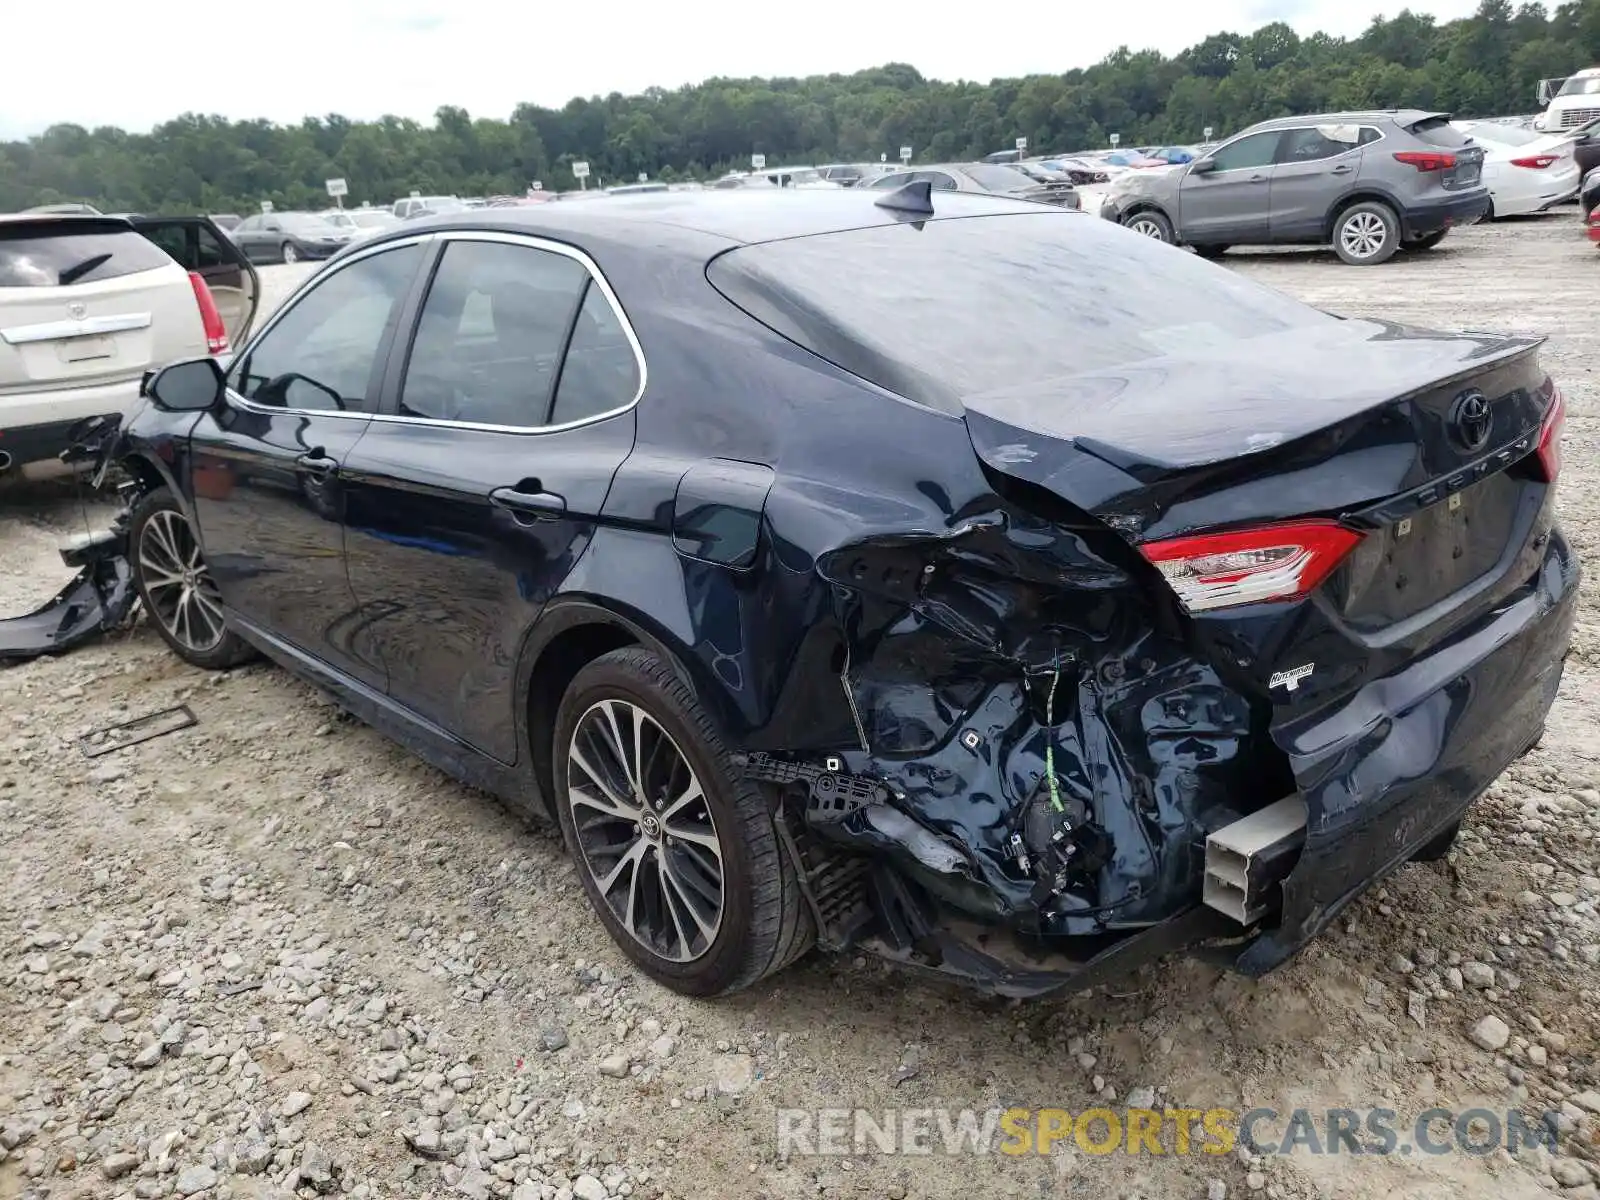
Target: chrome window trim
529,240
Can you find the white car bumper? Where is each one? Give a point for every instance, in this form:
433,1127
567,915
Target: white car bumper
34,424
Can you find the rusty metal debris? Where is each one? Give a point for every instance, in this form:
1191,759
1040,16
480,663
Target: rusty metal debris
141,729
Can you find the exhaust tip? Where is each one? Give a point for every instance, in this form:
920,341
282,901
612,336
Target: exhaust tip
1247,859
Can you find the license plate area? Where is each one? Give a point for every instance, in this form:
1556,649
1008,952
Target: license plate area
1416,561
85,349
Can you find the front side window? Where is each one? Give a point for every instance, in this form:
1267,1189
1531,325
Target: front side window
1248,152
322,354
489,340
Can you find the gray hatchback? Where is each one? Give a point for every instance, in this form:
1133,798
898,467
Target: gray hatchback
1370,183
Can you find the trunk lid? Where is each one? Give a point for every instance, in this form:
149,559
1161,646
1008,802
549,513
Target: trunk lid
1419,441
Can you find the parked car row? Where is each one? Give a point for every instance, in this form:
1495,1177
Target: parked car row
1370,183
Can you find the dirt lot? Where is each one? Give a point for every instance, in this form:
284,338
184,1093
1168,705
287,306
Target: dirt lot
435,1012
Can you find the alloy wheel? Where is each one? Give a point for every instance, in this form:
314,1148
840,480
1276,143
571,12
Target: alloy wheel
644,830
1148,228
182,594
290,254
1363,234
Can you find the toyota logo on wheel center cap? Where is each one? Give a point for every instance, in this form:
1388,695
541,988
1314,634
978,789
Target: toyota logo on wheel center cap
1470,420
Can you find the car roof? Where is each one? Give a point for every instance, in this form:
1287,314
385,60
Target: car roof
1401,116
735,216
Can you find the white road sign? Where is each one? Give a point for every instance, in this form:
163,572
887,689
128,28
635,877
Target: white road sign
758,162
337,188
580,170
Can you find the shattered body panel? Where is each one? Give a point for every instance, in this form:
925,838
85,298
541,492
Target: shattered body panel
994,738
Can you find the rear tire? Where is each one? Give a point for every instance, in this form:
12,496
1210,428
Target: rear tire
1366,234
176,588
1425,243
289,254
1151,224
676,850
1211,251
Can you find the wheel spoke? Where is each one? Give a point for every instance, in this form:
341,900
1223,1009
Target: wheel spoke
689,795
700,837
674,892
634,853
609,801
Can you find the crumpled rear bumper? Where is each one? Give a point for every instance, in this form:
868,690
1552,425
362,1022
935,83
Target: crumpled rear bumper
1402,761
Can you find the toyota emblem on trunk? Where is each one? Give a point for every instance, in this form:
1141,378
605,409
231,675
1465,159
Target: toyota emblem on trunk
77,310
1470,419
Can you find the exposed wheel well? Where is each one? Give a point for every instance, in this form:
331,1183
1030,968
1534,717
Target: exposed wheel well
144,471
1344,206
558,663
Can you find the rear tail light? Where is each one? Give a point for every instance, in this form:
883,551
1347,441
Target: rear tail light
210,318
1424,160
1555,424
1247,566
1536,161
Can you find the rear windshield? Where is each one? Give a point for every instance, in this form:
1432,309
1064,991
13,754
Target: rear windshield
34,255
1505,135
952,309
1437,131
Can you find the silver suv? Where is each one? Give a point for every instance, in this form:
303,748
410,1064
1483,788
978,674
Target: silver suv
1371,183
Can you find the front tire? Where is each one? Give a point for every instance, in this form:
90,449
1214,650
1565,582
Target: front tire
675,849
289,253
1366,234
1151,224
176,588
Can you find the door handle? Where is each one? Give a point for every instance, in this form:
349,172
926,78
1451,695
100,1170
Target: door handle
1343,169
529,499
317,463
1258,179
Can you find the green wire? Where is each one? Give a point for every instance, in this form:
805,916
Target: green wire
1050,738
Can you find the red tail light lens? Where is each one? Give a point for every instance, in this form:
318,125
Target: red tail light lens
1555,425
1248,566
1537,161
1424,160
210,318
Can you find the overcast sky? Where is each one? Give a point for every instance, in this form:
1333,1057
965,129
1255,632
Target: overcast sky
108,62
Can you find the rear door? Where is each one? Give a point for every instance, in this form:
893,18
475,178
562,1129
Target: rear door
1231,203
86,301
197,244
1315,166
473,494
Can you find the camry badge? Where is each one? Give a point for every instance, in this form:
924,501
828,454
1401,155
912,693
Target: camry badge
1290,680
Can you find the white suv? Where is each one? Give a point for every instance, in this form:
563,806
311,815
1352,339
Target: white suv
89,303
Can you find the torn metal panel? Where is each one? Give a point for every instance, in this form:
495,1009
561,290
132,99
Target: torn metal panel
1033,750
100,598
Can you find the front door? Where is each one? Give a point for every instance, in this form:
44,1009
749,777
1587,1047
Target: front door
1315,167
269,496
1230,203
471,497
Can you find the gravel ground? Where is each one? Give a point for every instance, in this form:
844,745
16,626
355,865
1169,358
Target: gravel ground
273,953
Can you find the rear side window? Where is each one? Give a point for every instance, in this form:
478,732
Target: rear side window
600,373
951,309
34,255
1437,131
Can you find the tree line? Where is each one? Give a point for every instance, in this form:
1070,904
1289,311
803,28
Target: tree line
1487,64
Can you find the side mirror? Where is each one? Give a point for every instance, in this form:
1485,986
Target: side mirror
1202,166
192,386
